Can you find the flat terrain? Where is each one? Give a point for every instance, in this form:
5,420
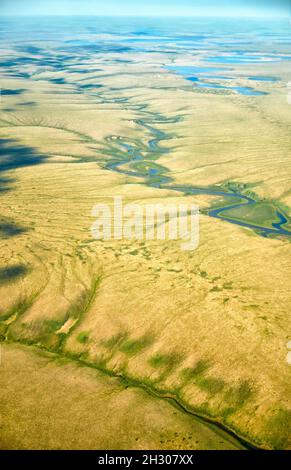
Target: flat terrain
125,325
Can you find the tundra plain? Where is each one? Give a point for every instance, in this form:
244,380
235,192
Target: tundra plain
184,349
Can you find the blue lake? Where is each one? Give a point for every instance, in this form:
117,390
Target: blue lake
264,79
198,81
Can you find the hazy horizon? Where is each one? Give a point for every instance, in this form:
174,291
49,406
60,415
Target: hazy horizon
159,8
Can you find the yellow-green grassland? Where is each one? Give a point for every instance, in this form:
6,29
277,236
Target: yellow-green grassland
135,344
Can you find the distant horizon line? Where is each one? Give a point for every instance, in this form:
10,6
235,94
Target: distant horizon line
76,15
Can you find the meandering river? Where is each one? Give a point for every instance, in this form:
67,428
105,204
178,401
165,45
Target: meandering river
138,159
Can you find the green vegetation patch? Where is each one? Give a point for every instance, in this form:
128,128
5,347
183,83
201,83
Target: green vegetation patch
167,361
278,429
211,385
50,326
261,213
237,397
134,346
115,340
77,307
198,370
83,337
216,289
18,308
203,274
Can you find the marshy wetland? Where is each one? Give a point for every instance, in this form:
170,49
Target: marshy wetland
174,349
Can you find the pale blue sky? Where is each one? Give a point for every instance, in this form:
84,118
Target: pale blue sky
268,8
